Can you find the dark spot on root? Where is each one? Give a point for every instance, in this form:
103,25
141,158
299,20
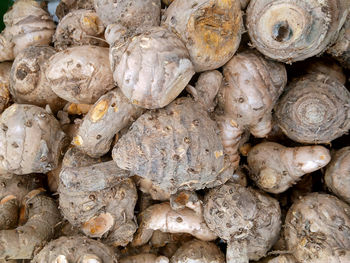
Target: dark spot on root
282,32
21,74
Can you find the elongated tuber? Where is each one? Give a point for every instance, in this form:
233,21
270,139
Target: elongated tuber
28,83
248,220
80,74
154,68
22,242
144,258
274,168
110,114
9,209
314,109
198,251
210,29
337,177
252,87
75,249
317,224
176,148
100,200
31,140
5,69
281,30
162,217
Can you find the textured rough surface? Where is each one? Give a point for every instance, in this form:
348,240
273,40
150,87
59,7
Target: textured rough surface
9,210
249,220
155,192
175,148
5,69
198,251
314,109
275,168
31,140
80,74
337,177
293,30
110,114
144,258
211,29
252,87
77,28
284,259
317,224
24,241
75,249
154,68
100,200
28,83
66,6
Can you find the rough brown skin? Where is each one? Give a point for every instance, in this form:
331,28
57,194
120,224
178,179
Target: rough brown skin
211,29
162,217
77,28
314,109
176,148
281,30
144,258
24,241
66,6
284,259
317,224
154,68
251,89
198,251
110,114
247,219
131,14
75,249
28,83
27,24
9,210
31,140
80,74
100,200
5,69
275,168
337,177
6,48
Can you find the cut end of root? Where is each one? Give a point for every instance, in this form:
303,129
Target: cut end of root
268,178
99,225
99,111
60,259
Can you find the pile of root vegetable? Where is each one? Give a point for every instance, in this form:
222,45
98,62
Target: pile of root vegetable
184,131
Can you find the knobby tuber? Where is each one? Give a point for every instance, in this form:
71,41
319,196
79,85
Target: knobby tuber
22,242
248,220
77,28
154,68
144,258
176,148
282,30
9,209
110,114
274,168
80,74
198,251
66,6
100,200
31,140
316,225
5,69
28,83
27,24
75,249
211,29
337,176
251,89
314,109
162,217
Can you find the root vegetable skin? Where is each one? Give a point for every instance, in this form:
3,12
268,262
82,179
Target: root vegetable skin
337,176
9,209
110,114
6,47
144,258
171,70
155,192
210,47
274,168
75,249
66,6
314,109
176,148
5,69
316,225
80,74
32,140
28,83
284,259
24,241
280,30
162,217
